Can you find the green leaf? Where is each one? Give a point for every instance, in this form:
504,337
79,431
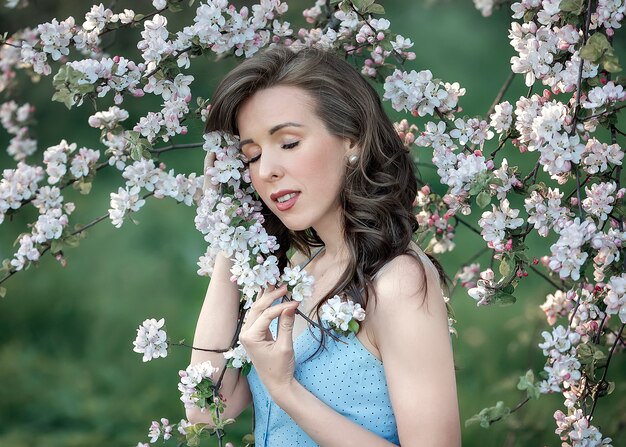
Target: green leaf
362,5
575,6
73,241
483,199
584,352
375,9
505,267
83,187
56,246
504,299
353,326
489,415
610,389
509,289
135,152
527,382
245,369
611,64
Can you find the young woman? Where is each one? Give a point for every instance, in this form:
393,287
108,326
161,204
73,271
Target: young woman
334,177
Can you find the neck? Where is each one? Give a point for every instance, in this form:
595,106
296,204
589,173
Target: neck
331,234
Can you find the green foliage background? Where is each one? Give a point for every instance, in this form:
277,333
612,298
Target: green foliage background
68,374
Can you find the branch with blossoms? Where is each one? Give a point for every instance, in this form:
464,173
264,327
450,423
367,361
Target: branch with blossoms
564,46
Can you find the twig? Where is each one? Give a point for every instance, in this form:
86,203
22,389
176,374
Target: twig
172,147
606,369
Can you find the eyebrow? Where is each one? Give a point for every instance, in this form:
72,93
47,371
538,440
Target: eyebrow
272,131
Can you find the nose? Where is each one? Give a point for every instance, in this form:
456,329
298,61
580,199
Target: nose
270,166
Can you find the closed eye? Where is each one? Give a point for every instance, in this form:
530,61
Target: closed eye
284,146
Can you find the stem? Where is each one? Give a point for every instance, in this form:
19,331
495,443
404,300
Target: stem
581,212
596,396
198,349
514,409
596,115
46,246
172,147
496,101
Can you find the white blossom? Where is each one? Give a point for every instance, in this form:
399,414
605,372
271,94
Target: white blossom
151,339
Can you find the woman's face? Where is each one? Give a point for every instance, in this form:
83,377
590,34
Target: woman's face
290,150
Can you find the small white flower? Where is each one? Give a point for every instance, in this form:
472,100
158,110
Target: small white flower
342,315
151,340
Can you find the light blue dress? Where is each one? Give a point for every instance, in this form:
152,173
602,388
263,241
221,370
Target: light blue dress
345,376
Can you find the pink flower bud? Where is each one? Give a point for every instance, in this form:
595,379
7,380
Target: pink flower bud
610,32
138,93
380,35
116,59
183,130
509,244
525,273
188,98
489,164
478,153
573,201
620,193
410,56
360,38
535,261
59,257
410,138
519,274
259,259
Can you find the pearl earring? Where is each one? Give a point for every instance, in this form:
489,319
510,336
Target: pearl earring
353,158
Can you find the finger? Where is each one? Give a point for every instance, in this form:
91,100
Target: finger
285,327
262,323
265,299
209,161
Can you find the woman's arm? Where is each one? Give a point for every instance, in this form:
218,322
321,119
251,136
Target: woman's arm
215,330
411,332
415,347
323,424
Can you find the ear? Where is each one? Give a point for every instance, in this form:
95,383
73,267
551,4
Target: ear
350,147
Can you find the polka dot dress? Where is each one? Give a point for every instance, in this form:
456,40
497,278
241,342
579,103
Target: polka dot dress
345,376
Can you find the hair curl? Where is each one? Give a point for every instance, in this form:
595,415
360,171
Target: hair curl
378,192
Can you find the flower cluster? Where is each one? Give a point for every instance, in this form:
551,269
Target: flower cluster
420,94
151,339
342,315
484,290
15,120
196,385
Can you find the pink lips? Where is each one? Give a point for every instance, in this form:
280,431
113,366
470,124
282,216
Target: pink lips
284,206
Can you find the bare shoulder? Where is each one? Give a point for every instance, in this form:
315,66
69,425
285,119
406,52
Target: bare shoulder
406,278
409,303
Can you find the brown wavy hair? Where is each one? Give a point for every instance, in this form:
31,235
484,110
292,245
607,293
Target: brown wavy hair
378,191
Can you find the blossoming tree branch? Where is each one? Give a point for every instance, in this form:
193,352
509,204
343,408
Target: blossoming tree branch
567,125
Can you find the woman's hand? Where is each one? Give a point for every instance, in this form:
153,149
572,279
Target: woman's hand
273,360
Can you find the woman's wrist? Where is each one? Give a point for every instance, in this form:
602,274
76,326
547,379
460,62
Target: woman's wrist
287,393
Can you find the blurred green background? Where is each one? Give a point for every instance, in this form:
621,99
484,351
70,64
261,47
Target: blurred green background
68,376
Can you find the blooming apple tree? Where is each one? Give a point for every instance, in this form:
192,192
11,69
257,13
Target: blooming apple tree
566,124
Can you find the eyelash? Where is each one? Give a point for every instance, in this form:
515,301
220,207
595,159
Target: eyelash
284,146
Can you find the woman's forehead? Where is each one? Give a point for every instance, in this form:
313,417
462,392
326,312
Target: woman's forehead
269,108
